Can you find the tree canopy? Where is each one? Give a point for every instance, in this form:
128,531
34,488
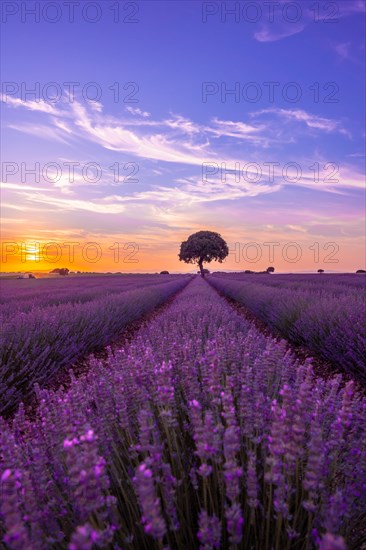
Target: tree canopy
203,247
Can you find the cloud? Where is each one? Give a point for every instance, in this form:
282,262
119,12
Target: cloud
103,206
283,20
179,140
42,131
20,187
343,50
349,52
296,228
178,122
238,130
41,105
269,34
351,7
311,121
137,111
176,139
192,190
114,135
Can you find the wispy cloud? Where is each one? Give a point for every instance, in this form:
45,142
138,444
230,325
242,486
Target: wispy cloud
40,105
103,206
310,120
20,187
343,50
42,131
182,124
238,130
349,52
301,15
179,140
268,33
350,7
137,111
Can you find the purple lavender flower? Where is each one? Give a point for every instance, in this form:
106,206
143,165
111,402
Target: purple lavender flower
17,535
207,435
232,471
88,481
209,533
252,481
314,472
275,459
168,487
234,521
84,538
153,522
332,542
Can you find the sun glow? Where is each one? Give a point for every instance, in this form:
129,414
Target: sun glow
30,252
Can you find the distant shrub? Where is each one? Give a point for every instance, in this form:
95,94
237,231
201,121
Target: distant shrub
320,270
361,271
164,272
61,271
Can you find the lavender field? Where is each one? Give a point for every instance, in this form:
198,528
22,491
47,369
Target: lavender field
198,433
325,313
47,324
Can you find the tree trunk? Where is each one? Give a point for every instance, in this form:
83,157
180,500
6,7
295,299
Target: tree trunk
200,265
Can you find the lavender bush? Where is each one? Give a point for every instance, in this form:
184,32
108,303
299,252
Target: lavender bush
327,314
35,344
199,433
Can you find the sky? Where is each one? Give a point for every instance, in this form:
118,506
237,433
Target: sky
128,126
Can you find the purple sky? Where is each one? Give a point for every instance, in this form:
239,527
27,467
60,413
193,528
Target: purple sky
246,118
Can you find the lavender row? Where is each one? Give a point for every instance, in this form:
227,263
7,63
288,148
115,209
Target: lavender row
35,345
28,294
330,321
339,282
200,433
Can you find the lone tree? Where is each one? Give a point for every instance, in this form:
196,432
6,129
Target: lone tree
270,269
203,246
320,270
